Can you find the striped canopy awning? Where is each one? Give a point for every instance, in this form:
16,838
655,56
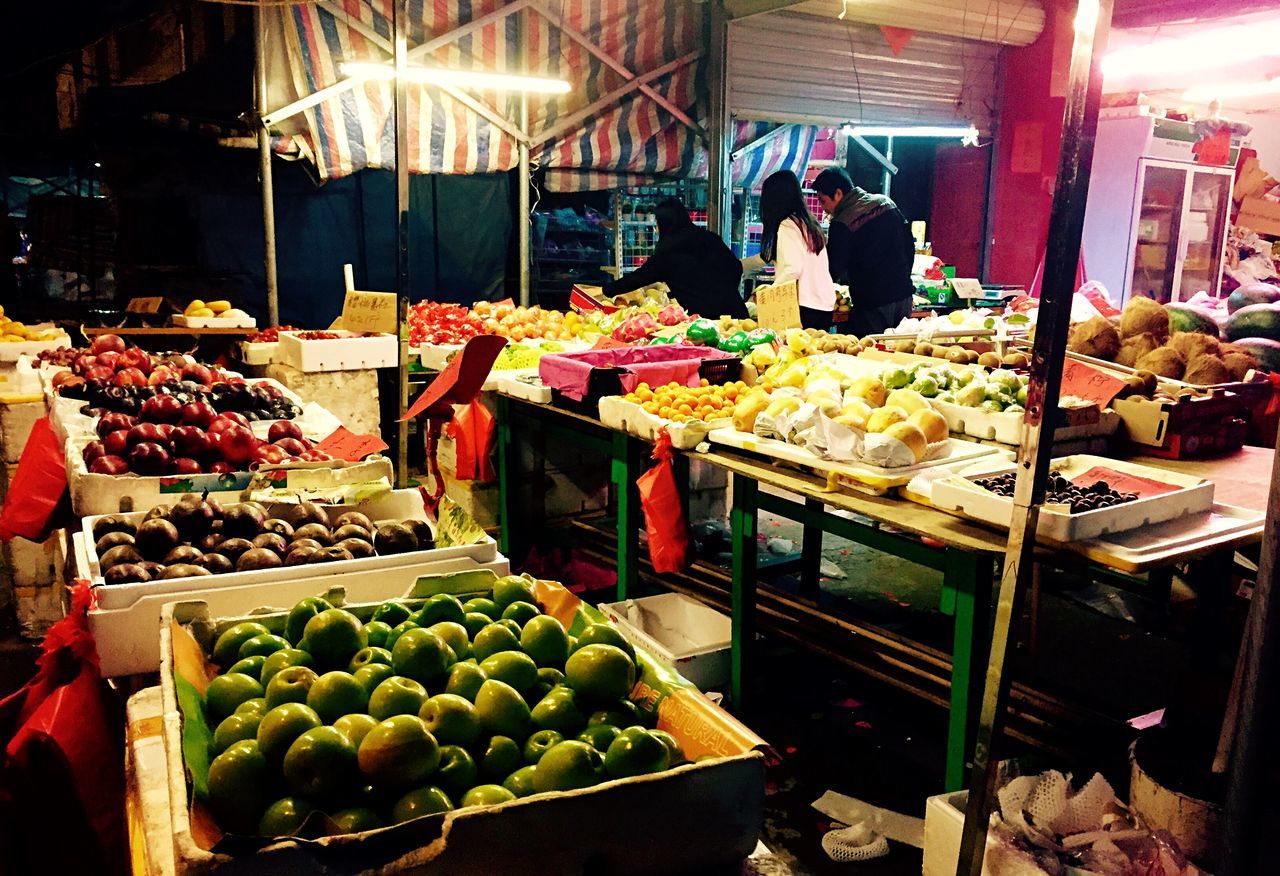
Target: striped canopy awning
584,132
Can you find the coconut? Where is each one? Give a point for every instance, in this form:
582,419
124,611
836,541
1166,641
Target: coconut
1134,348
1096,337
1142,315
1239,363
1163,362
1206,370
1194,344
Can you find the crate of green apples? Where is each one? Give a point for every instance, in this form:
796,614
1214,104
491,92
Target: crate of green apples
483,724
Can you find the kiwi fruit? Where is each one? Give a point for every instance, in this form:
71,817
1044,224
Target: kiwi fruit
112,539
118,555
317,531
330,555
156,538
990,360
111,523
280,527
258,558
394,538
357,547
350,531
217,564
183,553
354,518
126,573
184,570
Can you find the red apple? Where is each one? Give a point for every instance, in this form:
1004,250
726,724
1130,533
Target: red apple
110,359
162,408
136,358
236,418
221,423
199,414
83,363
268,454
199,373
146,433
283,429
130,377
186,465
150,459
237,444
103,343
191,441
92,451
100,372
109,465
116,443
162,374
315,456
114,422
166,429
221,467
272,390
291,446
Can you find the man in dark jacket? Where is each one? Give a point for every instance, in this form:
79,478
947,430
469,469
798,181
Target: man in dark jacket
870,249
699,268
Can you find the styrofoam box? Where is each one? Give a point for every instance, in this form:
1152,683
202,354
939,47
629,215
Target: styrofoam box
434,357
958,493
128,636
396,505
11,350
348,352
18,415
943,825
618,413
213,322
691,638
1007,428
257,353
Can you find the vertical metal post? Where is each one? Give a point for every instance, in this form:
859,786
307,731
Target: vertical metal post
719,128
264,165
398,23
886,181
1066,222
744,524
526,182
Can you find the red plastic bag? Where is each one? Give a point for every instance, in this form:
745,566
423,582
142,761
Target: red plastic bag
37,487
472,431
62,781
663,512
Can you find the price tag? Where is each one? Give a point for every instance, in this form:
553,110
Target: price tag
778,306
1122,482
967,287
347,445
145,305
370,312
1086,382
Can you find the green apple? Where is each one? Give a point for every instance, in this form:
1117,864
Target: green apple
283,659
520,782
455,636
356,727
396,696
457,770
599,736
281,726
391,614
369,656
521,612
417,803
553,677
227,649
296,624
673,746
376,632
333,637
511,625
538,744
568,766
602,672
559,711
604,634
465,679
321,763
441,607
396,632
481,605
451,719
422,655
256,706
240,787
636,752
493,639
398,752
226,692
335,694
514,667
502,710
250,666
544,639
487,795
373,675
500,758
512,588
356,820
290,685
234,728
263,646
284,817
623,713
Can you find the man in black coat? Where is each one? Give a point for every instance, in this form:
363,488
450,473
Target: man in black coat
870,249
701,271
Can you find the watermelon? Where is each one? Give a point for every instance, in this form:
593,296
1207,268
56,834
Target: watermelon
1252,293
1265,350
1185,318
1255,321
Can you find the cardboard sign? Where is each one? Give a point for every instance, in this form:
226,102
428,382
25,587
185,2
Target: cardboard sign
1122,482
967,287
144,305
462,378
778,306
347,445
1086,382
370,312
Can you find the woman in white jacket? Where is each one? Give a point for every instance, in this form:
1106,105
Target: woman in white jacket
792,239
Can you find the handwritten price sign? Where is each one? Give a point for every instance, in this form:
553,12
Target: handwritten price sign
345,444
1086,382
778,307
370,312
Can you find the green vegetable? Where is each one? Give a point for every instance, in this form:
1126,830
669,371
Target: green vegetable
735,343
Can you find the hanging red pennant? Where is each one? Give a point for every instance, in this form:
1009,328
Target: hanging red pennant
897,37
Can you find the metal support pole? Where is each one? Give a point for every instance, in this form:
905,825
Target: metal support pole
719,129
1066,223
264,165
886,181
526,182
398,22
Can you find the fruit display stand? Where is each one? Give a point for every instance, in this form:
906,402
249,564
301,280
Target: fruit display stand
688,818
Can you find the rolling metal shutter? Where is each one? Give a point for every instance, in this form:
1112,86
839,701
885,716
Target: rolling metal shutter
788,67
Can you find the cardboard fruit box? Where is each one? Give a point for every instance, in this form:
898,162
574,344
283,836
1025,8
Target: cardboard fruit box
692,818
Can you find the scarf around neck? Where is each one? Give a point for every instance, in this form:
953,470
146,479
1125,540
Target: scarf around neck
859,207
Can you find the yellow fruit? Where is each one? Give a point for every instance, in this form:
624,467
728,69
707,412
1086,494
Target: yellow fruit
882,418
193,307
219,306
907,399
786,405
931,423
869,388
202,313
910,435
747,409
825,402
855,414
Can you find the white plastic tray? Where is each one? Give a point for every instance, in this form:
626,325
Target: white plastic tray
11,350
350,352
435,356
629,417
258,353
959,495
212,322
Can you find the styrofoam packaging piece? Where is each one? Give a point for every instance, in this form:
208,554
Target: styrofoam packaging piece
698,817
348,352
257,353
128,637
691,638
957,493
183,321
510,383
146,788
10,351
618,413
434,357
16,422
21,377
943,825
1007,428
397,505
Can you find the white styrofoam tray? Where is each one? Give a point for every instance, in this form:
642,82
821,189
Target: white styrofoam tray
689,637
522,383
952,452
435,356
257,353
11,350
128,637
397,505
958,494
348,352
1007,428
183,321
618,413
